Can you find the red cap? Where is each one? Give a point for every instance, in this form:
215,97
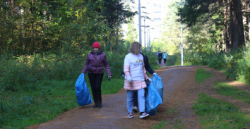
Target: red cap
96,45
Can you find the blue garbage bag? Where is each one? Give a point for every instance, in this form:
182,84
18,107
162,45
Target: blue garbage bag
158,85
82,91
155,95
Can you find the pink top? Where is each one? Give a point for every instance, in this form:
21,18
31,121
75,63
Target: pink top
134,85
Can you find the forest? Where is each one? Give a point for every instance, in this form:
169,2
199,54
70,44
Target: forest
215,33
44,46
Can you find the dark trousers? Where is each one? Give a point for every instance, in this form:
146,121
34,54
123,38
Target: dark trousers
95,83
135,99
165,60
159,61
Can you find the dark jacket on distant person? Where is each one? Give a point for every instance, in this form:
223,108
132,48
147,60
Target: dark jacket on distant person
95,63
146,63
160,55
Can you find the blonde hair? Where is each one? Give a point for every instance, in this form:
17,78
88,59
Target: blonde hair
135,48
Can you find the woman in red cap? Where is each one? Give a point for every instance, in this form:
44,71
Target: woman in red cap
94,65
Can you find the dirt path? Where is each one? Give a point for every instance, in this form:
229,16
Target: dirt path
180,91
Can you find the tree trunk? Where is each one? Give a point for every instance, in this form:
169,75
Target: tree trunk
32,31
240,21
248,22
215,47
226,41
235,27
117,36
231,28
22,24
12,22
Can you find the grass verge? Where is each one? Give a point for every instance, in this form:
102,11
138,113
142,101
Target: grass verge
201,75
216,113
48,100
160,125
175,124
227,90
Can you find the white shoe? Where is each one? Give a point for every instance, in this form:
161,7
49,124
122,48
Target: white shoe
135,108
130,115
144,115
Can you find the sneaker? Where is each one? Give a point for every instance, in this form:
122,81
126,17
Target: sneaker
95,106
144,115
135,109
130,115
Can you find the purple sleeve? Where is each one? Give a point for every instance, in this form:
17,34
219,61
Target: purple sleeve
106,64
84,70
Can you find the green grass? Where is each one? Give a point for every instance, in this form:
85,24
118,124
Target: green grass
215,113
201,75
227,90
160,125
171,110
48,100
35,89
177,124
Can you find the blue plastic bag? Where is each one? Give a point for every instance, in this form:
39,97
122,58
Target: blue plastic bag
155,95
158,85
82,91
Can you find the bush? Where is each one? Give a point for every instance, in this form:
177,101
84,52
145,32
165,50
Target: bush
236,63
25,71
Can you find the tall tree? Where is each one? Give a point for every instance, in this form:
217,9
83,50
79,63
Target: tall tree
199,12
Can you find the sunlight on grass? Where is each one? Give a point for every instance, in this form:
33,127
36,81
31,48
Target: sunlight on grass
201,75
235,92
216,113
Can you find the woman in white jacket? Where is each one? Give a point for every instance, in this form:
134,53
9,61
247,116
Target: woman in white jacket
135,76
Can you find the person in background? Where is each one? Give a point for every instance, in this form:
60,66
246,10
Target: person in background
165,57
157,53
94,66
160,57
135,76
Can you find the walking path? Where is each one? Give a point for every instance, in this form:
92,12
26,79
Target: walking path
180,91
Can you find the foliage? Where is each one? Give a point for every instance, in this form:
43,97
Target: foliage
235,64
218,16
44,25
25,71
201,75
216,113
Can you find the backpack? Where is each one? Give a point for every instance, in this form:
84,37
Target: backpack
160,56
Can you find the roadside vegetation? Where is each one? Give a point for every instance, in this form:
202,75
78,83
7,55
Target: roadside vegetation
36,89
201,75
215,113
232,91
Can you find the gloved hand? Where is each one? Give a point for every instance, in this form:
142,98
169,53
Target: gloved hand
155,74
129,79
148,81
123,75
109,77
